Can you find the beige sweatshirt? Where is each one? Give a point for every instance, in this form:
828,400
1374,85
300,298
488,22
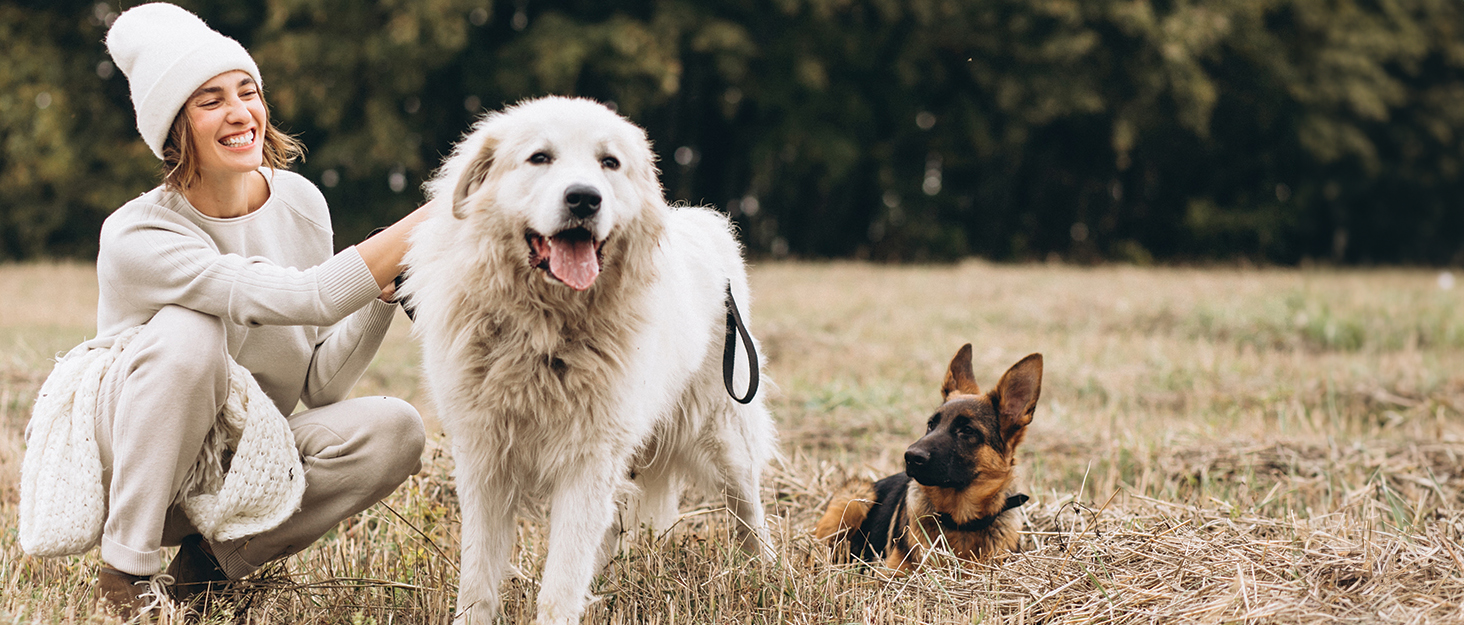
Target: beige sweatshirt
286,301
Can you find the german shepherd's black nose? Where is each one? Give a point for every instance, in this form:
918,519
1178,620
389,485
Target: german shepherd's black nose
582,200
934,461
915,459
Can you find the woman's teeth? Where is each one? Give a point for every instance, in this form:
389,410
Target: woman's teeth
239,141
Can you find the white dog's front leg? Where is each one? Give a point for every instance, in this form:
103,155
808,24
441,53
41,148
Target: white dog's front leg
488,534
582,510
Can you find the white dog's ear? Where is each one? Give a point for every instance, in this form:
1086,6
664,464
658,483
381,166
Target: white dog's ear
648,178
472,177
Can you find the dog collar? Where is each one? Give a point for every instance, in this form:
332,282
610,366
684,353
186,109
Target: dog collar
949,524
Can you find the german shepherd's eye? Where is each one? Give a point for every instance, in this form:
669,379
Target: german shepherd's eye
930,425
610,162
541,158
967,431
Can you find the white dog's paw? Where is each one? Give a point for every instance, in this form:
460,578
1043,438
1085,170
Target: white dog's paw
559,619
557,613
475,613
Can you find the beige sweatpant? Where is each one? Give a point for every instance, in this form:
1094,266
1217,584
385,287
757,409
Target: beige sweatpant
159,400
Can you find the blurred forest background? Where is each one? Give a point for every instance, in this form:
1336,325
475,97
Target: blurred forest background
1276,131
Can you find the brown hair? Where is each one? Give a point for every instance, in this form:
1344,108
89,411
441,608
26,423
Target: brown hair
180,168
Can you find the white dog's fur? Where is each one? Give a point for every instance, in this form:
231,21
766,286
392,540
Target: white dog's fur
563,393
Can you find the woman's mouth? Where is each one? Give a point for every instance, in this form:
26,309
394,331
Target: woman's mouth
243,139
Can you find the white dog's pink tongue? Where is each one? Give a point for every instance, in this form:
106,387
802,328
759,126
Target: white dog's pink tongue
573,260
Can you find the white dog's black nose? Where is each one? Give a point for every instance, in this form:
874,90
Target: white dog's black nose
582,200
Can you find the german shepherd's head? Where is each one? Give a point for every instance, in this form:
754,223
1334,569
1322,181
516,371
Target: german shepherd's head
965,461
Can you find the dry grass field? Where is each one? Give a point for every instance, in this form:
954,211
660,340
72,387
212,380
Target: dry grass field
1212,445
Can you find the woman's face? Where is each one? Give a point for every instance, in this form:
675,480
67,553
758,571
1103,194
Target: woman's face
228,118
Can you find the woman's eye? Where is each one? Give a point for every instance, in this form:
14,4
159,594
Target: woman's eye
540,158
610,162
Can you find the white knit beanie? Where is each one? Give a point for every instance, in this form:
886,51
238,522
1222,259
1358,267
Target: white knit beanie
167,53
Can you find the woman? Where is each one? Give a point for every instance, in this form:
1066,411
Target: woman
231,257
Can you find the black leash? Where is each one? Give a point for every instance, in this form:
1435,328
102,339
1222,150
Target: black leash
407,307
729,352
949,524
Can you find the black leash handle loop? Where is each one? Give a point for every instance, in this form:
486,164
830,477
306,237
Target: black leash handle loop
729,352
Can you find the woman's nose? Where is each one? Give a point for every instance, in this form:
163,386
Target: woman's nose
238,111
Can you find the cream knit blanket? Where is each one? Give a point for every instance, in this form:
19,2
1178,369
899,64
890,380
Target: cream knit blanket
62,503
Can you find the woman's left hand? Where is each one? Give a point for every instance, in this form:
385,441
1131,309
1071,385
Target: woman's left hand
383,252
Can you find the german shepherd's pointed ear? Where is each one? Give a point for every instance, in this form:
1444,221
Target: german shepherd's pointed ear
1016,397
959,378
471,178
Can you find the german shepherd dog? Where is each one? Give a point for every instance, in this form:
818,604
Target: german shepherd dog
962,470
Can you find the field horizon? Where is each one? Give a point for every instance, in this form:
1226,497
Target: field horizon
1238,444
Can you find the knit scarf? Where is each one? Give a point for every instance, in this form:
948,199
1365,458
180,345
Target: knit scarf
62,503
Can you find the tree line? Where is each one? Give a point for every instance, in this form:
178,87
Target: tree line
1279,131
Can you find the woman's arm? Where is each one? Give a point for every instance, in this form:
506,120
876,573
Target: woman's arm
347,348
151,257
343,353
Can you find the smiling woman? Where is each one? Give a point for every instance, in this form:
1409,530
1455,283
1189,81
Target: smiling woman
220,301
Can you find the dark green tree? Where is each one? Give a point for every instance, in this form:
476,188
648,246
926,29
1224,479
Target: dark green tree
1274,130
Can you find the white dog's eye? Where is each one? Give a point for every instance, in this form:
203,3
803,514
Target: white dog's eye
541,158
610,162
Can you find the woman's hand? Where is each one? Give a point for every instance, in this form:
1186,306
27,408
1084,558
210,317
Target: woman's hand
383,251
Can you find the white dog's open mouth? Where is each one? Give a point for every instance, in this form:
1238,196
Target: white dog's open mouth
571,256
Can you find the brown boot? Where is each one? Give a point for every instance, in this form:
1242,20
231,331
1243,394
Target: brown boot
196,573
120,593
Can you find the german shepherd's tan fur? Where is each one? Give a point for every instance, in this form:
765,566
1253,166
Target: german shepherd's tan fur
955,492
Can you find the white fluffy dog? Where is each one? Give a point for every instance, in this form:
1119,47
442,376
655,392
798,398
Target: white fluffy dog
570,323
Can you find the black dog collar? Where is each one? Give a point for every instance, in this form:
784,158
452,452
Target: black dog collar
949,524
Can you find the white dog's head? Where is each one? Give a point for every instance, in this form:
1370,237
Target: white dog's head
569,171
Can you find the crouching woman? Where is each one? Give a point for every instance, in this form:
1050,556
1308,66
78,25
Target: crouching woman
222,306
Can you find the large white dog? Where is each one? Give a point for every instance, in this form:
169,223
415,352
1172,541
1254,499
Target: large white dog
571,323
